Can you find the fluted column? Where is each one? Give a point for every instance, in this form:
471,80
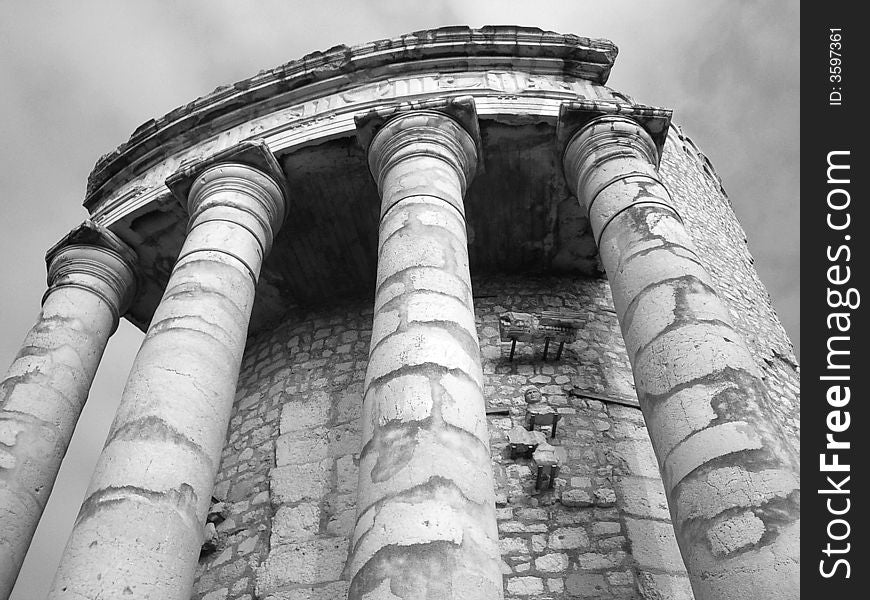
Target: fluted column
730,476
139,531
90,284
426,523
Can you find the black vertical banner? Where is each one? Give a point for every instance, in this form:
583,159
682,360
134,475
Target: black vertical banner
835,222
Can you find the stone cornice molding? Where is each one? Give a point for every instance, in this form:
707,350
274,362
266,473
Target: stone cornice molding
443,50
445,129
92,258
243,185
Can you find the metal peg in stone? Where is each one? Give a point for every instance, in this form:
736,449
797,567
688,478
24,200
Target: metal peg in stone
523,443
545,465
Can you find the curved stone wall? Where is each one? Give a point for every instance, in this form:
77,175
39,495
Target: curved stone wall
724,250
289,473
499,105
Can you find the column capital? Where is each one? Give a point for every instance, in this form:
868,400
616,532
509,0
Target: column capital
602,140
93,258
445,129
247,179
607,148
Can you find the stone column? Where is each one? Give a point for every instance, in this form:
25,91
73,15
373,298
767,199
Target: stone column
90,284
139,531
730,475
426,523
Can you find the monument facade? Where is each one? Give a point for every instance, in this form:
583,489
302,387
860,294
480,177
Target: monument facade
440,316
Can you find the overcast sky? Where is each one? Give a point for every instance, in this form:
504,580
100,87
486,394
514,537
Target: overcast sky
76,78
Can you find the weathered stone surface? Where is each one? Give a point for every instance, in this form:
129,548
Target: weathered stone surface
425,477
513,545
312,356
653,545
165,443
605,497
295,523
643,497
91,281
602,526
568,538
292,483
299,415
576,497
660,586
220,594
525,586
299,447
586,585
639,457
592,561
552,563
317,561
699,386
347,473
330,591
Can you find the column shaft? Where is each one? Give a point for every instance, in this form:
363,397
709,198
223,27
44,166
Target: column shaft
731,477
426,523
139,531
45,389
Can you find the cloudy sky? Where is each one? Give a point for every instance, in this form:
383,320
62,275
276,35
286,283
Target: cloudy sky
76,78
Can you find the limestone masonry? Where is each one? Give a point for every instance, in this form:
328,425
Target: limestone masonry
435,317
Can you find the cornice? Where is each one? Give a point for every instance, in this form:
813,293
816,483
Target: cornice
443,50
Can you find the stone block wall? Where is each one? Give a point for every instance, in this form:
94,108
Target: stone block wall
604,530
288,476
704,205
289,470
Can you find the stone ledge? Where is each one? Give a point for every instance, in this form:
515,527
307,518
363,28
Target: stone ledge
579,57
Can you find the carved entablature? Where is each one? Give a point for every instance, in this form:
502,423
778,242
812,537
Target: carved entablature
312,93
306,113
